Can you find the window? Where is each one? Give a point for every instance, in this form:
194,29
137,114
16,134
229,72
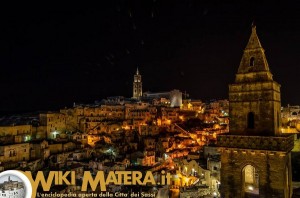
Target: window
250,180
250,124
251,61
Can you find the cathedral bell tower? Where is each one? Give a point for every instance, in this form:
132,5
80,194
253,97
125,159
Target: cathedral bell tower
137,85
255,156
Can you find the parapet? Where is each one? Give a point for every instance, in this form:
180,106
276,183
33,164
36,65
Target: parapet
272,143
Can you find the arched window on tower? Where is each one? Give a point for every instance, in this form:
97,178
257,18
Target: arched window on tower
250,121
252,61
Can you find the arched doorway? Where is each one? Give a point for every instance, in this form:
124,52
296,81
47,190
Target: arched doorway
250,181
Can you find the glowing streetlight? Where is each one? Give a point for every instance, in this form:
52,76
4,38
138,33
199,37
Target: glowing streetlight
250,188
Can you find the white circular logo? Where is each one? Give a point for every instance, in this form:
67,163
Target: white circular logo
15,184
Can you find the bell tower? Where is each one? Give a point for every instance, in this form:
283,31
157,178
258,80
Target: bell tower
255,156
254,97
137,85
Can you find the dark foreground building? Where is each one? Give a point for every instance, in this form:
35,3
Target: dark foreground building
255,156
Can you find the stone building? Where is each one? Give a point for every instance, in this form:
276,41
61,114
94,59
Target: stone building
171,98
39,149
16,130
54,124
20,133
290,118
92,118
80,137
255,156
15,152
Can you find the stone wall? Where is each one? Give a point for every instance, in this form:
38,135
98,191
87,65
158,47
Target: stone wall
273,168
277,143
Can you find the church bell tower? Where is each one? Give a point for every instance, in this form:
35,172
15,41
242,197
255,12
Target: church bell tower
255,156
254,97
137,85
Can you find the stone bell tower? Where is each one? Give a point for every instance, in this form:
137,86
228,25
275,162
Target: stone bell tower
137,85
255,156
254,97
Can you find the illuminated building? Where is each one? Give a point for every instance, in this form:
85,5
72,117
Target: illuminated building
171,98
290,117
80,137
93,118
255,156
92,139
15,152
140,111
194,105
17,129
169,115
146,130
137,85
54,124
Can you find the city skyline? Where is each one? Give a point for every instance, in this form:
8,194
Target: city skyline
54,57
244,144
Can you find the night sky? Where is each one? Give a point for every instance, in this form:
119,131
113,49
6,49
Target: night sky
54,55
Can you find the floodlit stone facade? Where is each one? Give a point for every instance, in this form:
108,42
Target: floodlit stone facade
255,156
15,152
255,96
54,123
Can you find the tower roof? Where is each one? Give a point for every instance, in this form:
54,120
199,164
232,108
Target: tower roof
253,42
137,71
254,65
